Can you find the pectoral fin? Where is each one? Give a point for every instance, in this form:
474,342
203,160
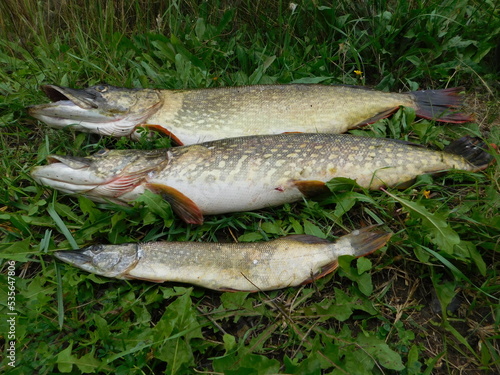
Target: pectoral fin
232,290
161,129
182,205
143,279
311,188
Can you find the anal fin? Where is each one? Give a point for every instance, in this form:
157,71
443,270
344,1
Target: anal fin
325,270
181,205
377,117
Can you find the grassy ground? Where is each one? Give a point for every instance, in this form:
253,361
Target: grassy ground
426,303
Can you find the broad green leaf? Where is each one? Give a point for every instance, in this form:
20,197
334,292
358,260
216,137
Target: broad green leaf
229,342
343,306
273,228
156,204
297,227
363,280
384,355
88,364
246,363
250,237
18,251
312,229
413,366
65,360
363,264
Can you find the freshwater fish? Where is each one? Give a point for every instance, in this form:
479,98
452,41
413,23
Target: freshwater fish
194,116
250,173
280,263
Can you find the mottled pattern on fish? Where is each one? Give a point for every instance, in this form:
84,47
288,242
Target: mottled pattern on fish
252,110
249,173
288,261
193,116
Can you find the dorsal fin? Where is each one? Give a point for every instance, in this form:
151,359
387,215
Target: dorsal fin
305,238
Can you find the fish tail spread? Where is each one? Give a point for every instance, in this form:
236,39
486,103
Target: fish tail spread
471,149
367,240
440,105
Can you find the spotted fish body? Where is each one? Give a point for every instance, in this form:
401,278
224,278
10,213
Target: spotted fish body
250,173
280,263
194,116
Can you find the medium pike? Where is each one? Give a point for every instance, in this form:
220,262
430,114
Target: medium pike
194,116
284,262
249,173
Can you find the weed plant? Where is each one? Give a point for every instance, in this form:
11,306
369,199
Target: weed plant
428,303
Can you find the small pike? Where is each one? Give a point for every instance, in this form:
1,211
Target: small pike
194,116
249,173
281,263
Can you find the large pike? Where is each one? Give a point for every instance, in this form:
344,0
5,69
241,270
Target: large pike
280,263
249,173
194,116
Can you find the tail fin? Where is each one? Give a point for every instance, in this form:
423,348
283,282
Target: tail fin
365,241
439,105
472,149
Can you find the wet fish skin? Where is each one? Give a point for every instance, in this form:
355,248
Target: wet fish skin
249,173
199,115
276,264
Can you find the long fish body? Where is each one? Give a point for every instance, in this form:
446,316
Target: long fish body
249,173
194,116
280,263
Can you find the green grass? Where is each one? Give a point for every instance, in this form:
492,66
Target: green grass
394,312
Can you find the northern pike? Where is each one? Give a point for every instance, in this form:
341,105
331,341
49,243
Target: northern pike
276,264
249,173
194,116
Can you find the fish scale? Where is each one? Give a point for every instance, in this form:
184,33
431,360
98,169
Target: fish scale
249,173
279,263
199,115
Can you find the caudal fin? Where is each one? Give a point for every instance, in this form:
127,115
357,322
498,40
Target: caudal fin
472,149
365,241
440,105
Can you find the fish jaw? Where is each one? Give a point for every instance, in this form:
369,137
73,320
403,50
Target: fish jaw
68,174
104,260
104,110
106,175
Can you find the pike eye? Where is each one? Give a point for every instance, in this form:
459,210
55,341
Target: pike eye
102,152
101,88
96,249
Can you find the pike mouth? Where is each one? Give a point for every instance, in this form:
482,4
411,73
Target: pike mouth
116,113
74,257
79,98
77,108
69,174
74,162
80,175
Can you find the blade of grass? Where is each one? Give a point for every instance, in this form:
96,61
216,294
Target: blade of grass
61,226
455,270
60,301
